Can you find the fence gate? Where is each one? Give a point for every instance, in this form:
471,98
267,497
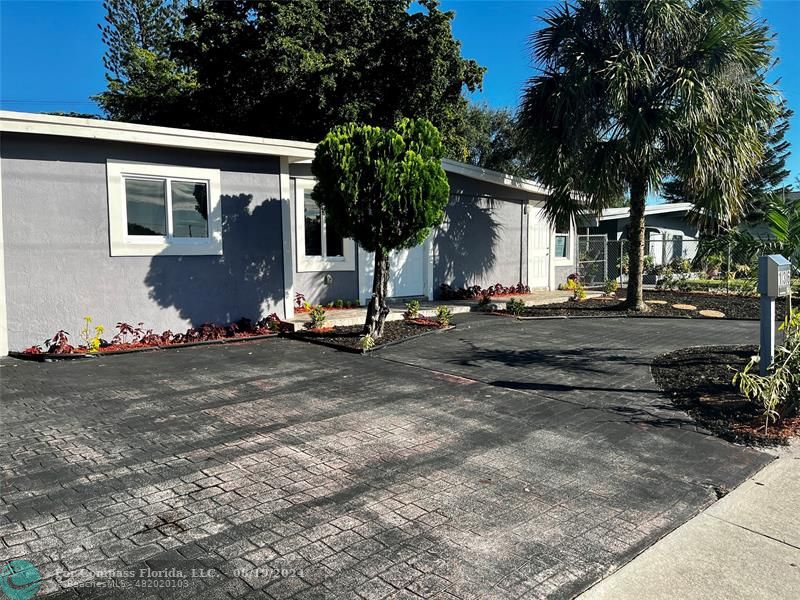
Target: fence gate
592,259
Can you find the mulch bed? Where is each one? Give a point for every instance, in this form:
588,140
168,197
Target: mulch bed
734,307
699,381
348,338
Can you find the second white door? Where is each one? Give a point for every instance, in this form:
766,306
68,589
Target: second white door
538,249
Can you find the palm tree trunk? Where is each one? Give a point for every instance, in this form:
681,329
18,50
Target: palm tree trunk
635,299
377,308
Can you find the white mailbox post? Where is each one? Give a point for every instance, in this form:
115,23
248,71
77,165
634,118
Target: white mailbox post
774,280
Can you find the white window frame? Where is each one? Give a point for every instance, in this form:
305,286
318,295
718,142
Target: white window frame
569,235
123,244
308,264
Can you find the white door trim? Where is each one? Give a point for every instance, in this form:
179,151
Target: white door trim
286,232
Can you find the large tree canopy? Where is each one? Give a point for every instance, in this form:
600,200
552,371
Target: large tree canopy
493,141
385,189
291,69
768,180
629,94
144,84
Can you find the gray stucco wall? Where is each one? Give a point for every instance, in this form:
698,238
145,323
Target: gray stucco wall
319,290
58,264
561,272
483,239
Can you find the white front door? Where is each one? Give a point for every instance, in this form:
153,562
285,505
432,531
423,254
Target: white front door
538,249
409,272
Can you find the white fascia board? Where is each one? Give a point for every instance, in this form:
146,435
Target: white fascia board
655,209
495,177
19,122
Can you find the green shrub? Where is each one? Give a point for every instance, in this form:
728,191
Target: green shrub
649,263
713,264
742,270
412,309
338,303
443,315
515,306
625,263
573,281
680,265
317,316
777,392
367,343
485,301
610,287
91,335
579,293
722,286
668,281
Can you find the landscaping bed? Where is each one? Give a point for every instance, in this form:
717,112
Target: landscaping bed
135,338
348,337
111,350
732,307
699,381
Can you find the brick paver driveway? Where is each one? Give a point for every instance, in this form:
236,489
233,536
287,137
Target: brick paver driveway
500,460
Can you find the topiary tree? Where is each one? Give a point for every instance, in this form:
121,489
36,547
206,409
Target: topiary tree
383,188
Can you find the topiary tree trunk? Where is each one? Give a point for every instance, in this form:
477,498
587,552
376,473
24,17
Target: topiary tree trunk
377,309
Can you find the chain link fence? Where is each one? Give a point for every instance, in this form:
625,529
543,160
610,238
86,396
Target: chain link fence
672,262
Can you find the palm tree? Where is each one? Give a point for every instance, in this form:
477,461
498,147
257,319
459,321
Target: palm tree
628,94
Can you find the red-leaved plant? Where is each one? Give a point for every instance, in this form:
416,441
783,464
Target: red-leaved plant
131,337
447,292
59,343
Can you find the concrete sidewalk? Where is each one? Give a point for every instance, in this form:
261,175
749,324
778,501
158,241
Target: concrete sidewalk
427,308
746,546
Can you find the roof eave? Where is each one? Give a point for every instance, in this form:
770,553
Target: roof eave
494,177
39,124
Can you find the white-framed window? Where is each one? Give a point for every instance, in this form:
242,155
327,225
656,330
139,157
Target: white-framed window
561,242
163,209
319,246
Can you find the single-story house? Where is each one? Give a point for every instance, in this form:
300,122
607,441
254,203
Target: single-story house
668,230
175,228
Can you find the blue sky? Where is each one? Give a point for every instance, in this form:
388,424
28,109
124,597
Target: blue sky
51,53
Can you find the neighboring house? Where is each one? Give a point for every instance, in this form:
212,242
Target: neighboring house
668,230
175,228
